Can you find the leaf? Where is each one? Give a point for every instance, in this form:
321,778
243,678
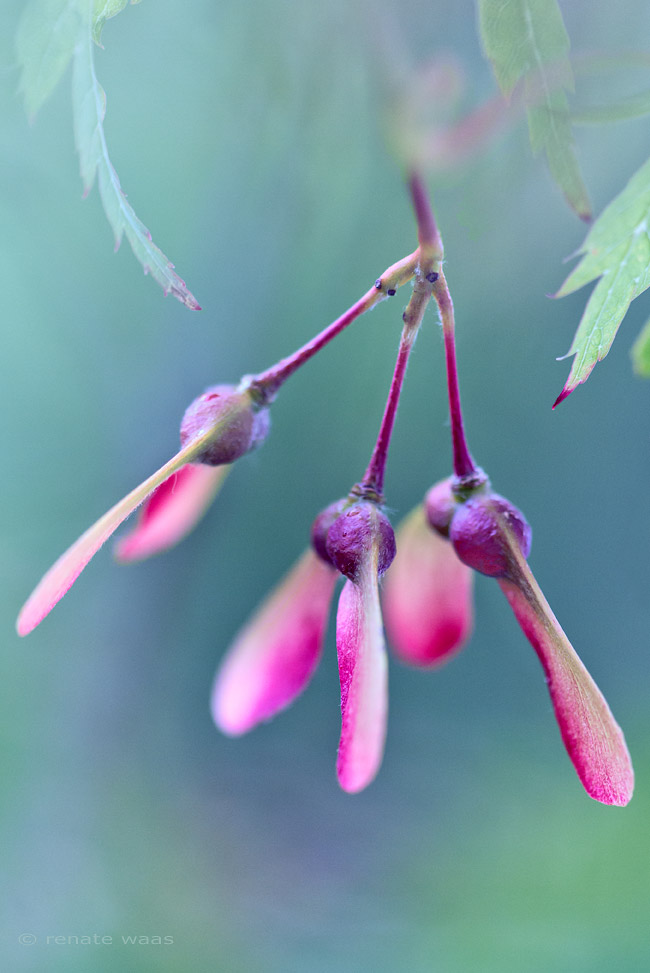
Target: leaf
616,250
45,39
527,43
89,106
640,352
102,11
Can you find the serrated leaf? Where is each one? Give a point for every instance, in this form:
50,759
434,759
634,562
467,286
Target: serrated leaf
640,352
616,250
89,107
527,43
45,40
103,10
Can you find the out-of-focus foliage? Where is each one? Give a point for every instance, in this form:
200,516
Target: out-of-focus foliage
528,45
49,34
102,11
45,40
613,106
640,352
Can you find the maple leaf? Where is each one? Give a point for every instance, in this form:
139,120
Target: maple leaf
616,251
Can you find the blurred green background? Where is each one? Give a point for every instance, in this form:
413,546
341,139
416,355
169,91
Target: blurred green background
250,139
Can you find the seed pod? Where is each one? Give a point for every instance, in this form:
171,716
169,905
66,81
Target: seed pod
239,423
439,506
479,532
321,526
352,535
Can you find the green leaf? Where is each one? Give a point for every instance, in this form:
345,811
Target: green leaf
45,39
103,10
616,250
528,45
89,106
640,352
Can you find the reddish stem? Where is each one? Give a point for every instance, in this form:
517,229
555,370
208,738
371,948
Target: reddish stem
431,254
463,463
271,380
373,480
267,383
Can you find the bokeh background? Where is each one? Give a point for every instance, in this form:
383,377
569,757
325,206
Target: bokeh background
252,140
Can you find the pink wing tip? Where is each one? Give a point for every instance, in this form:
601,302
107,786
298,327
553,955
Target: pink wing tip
618,796
29,618
227,717
352,782
126,549
47,594
64,572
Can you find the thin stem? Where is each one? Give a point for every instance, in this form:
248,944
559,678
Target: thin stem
463,463
373,480
432,253
267,383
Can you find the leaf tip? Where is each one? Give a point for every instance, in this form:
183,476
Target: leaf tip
581,205
181,293
564,394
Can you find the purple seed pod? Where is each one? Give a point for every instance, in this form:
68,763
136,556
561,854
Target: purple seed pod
351,536
239,423
440,505
321,526
479,529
